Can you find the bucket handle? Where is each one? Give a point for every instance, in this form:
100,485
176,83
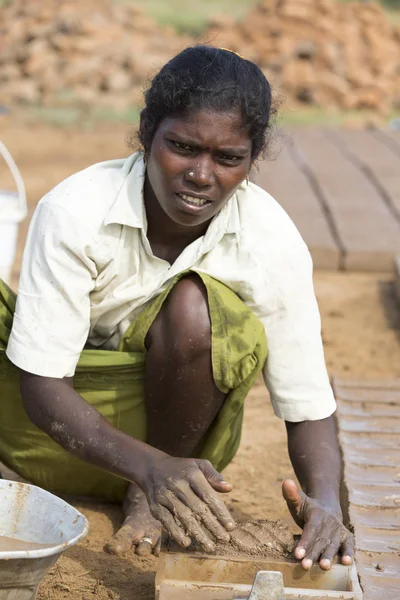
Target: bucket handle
17,178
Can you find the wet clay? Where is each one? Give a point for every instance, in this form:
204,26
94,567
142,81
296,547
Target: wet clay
8,544
263,539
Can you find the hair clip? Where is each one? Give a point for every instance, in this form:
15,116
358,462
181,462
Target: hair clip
232,51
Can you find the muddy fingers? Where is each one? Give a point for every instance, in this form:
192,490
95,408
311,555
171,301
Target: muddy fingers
182,495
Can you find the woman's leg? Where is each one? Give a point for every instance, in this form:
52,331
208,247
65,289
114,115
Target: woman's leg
181,397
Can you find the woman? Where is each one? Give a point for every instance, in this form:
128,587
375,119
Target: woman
150,289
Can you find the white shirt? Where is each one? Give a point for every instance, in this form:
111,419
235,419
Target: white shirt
88,270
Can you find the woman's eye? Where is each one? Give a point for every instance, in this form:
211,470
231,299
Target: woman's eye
230,158
182,146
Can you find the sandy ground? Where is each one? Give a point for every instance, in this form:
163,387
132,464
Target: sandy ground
361,328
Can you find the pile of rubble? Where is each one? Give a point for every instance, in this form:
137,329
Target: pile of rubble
317,52
321,52
97,52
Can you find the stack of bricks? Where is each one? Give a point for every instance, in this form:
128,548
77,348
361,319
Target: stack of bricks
369,427
93,52
321,52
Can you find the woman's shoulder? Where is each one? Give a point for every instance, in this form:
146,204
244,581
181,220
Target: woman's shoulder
91,191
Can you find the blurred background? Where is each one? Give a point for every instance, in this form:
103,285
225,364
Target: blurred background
71,61
73,72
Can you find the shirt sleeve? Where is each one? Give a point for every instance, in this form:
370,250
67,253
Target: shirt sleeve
295,372
52,317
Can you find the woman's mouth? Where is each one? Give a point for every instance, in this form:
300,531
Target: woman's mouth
192,201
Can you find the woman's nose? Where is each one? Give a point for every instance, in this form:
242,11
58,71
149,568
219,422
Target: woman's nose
201,173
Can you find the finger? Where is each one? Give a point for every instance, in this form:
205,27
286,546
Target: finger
327,534
193,526
308,538
347,549
147,543
217,507
144,548
175,530
315,551
157,548
122,541
212,525
188,519
294,498
215,479
327,556
199,508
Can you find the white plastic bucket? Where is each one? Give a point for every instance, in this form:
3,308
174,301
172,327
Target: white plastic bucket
12,212
31,514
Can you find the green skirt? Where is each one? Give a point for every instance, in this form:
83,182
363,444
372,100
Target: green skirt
113,382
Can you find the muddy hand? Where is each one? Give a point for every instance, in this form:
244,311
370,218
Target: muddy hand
180,493
324,534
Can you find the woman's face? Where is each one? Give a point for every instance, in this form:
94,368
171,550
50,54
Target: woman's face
196,163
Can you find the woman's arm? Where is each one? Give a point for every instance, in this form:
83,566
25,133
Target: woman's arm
314,452
54,406
50,328
176,488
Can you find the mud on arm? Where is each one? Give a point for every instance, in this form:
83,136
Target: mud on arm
55,407
178,490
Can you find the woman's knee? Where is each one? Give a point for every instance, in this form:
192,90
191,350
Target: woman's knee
183,323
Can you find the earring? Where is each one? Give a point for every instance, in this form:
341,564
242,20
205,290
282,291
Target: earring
144,155
247,179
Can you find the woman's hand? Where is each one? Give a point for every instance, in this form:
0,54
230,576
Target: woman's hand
180,493
324,534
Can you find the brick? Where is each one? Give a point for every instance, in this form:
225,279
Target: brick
362,408
371,540
397,276
379,587
368,495
381,519
369,384
283,179
382,475
382,163
371,457
369,424
367,229
394,136
387,565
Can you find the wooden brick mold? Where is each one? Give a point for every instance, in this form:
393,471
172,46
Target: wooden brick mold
190,576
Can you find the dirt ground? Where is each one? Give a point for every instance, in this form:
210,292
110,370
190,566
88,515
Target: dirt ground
361,328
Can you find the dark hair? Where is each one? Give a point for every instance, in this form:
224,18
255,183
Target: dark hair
208,78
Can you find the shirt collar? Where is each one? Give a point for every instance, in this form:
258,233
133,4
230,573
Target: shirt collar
128,206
